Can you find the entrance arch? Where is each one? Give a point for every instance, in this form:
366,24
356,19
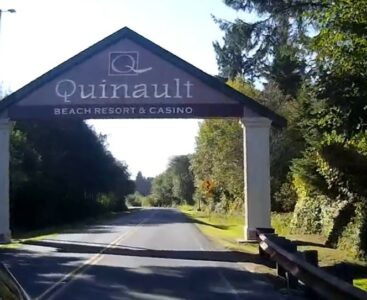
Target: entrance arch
128,76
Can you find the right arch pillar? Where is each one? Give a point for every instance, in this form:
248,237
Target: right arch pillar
256,151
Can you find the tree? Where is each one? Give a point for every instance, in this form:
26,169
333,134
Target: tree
334,125
175,185
143,185
61,171
325,145
341,52
217,164
272,48
269,47
182,177
162,190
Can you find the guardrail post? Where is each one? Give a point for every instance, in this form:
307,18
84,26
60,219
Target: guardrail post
289,246
312,257
292,282
269,232
343,272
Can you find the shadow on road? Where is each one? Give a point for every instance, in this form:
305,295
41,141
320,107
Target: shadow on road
161,216
91,248
37,272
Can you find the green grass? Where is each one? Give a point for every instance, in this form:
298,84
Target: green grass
227,230
360,283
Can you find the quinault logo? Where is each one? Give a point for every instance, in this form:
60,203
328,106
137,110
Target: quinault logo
124,63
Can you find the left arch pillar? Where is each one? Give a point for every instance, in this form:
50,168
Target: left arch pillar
5,128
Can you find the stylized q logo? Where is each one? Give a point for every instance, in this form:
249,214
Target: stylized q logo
65,89
125,63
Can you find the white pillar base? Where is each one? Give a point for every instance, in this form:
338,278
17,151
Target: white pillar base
5,128
256,134
249,233
5,238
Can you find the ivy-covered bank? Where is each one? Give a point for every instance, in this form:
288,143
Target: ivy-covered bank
317,214
332,202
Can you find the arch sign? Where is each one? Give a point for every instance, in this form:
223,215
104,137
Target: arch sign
128,76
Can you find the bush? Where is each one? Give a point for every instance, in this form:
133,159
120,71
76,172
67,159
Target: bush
281,223
147,201
285,199
135,199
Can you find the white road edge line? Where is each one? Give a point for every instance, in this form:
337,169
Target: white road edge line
229,286
68,278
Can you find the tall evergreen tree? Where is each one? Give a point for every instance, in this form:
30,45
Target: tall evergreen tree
143,185
268,47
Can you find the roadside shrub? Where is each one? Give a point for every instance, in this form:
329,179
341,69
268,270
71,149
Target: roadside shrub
281,223
285,199
147,201
134,199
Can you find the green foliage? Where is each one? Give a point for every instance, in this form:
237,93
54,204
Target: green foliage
280,222
174,186
285,145
268,47
182,178
147,201
334,127
246,88
285,198
143,185
138,199
162,190
330,194
61,172
341,44
321,158
218,158
135,199
217,165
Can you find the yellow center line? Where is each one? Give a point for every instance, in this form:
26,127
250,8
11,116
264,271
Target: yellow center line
69,277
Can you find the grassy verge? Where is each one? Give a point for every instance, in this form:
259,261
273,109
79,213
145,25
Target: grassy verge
227,230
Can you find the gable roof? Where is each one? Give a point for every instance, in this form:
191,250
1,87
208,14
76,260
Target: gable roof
127,33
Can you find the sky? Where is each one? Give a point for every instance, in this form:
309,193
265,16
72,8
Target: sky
43,33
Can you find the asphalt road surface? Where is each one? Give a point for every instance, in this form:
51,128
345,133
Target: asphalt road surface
152,254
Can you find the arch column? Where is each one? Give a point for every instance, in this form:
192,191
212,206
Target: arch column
256,134
5,128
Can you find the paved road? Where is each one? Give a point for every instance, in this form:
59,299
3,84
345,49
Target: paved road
148,254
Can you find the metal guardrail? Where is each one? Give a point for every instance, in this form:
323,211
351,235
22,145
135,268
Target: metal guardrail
10,283
292,265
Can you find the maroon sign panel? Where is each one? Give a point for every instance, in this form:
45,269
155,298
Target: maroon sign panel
124,79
